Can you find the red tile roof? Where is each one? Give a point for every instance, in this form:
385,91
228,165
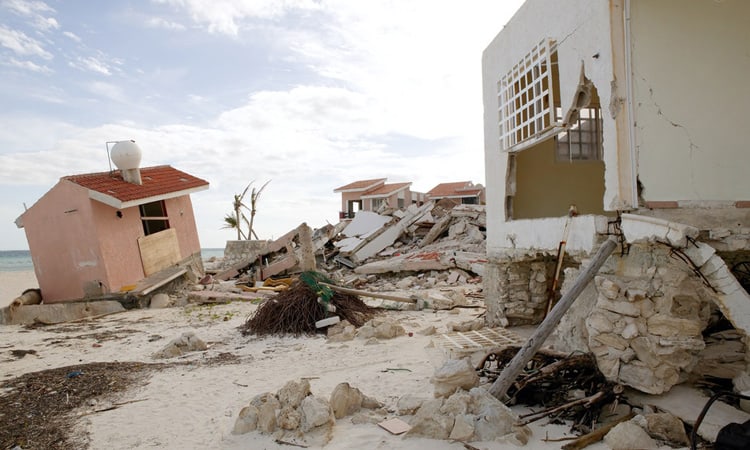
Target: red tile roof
158,181
457,189
386,190
360,185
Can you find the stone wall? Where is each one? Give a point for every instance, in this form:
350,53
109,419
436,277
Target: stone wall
520,289
241,251
643,319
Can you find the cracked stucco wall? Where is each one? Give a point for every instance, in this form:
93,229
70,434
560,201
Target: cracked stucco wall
583,34
690,62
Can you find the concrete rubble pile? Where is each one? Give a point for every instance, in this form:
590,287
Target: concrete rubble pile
427,246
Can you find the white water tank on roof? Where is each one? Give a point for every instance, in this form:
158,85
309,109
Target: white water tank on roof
126,155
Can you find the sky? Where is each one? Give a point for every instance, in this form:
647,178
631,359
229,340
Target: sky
306,95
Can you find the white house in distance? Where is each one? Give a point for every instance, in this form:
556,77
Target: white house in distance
634,112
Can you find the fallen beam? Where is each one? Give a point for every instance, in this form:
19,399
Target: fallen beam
394,298
500,387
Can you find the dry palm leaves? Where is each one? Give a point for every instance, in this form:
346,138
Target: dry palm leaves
295,310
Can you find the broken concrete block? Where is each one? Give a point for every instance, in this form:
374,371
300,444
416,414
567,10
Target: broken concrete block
409,404
316,412
627,436
288,418
463,428
453,375
436,231
345,400
429,422
389,330
469,325
494,419
293,392
267,404
57,312
375,243
667,427
247,420
159,301
405,283
457,404
436,300
341,332
187,342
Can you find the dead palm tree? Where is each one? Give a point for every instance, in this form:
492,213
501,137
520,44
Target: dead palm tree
237,217
231,222
254,196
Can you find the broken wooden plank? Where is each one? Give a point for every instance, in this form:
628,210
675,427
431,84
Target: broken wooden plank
394,298
500,387
596,435
201,297
160,279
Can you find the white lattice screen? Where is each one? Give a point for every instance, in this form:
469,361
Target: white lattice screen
525,97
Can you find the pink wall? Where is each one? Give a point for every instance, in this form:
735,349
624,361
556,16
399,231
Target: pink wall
182,218
62,242
347,196
75,241
122,255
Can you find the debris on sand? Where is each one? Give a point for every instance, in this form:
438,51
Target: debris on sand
306,303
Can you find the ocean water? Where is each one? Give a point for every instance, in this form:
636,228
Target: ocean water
20,260
15,261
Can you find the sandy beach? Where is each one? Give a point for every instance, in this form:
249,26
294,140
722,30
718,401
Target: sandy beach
193,401
12,284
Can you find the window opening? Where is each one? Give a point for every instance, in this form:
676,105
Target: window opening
377,203
154,217
582,140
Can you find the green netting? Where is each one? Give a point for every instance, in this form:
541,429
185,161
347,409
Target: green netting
313,279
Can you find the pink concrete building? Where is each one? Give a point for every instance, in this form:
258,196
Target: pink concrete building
97,233
371,195
463,192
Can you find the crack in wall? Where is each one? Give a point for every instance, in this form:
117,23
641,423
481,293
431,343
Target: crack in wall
692,146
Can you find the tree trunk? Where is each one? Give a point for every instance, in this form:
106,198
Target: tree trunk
500,387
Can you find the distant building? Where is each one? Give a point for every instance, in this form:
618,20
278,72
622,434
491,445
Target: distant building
374,195
103,232
462,192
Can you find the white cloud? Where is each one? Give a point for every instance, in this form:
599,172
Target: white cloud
21,44
91,64
227,16
107,90
158,22
34,10
27,8
28,65
72,36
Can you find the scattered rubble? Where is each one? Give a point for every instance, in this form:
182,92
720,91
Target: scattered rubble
187,342
455,374
295,417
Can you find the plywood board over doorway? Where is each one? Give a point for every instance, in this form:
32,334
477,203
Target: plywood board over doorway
159,251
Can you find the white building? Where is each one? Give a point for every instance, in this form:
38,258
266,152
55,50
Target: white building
626,109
